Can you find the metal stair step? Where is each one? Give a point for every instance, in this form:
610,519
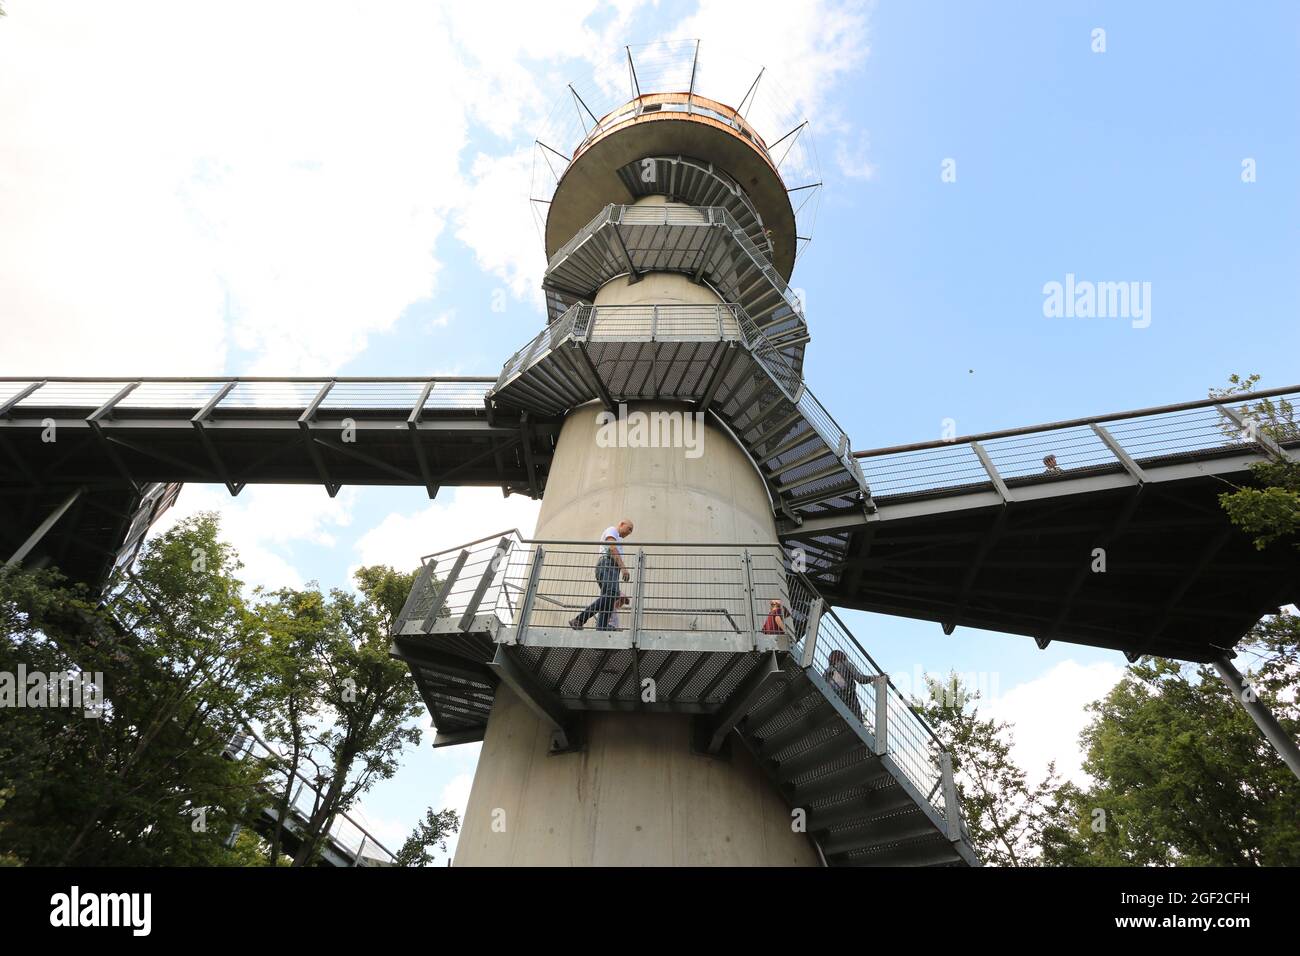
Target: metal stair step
863,773
813,711
872,834
836,745
877,802
935,851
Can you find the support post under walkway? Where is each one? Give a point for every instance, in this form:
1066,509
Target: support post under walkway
1263,717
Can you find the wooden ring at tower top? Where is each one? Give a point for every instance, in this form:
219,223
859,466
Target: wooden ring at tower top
656,125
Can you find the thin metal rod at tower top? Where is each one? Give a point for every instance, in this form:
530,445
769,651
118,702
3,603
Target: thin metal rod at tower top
752,87
694,62
788,135
795,132
631,67
584,106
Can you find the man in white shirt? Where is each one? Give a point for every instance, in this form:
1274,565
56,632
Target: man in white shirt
609,569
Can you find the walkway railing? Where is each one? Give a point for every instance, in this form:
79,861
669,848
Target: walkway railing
358,842
718,593
685,216
1261,422
719,590
720,322
214,395
853,675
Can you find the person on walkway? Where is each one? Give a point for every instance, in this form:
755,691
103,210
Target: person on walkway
609,569
844,679
776,614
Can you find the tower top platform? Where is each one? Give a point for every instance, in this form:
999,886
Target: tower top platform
671,126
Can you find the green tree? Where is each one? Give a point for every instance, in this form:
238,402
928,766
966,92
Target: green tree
1269,509
358,707
430,832
1183,775
1003,812
145,781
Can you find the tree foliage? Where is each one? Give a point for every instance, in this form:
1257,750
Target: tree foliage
1004,813
429,833
188,663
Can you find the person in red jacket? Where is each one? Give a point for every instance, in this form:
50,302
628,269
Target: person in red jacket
775,623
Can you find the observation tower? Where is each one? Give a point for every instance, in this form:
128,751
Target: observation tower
691,731
667,388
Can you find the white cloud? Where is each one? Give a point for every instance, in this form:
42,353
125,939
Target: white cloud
264,521
456,793
467,514
1048,715
177,181
853,161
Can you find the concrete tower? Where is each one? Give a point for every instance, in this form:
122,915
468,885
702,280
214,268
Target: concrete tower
724,715
637,793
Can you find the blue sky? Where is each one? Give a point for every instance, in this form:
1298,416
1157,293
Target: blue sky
1117,166
924,297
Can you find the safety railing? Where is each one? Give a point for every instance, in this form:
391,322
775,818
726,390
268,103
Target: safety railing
1261,422
628,323
697,216
865,689
723,590
215,395
652,103
709,590
344,830
712,215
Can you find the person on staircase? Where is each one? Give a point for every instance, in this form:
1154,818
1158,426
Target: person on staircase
776,615
609,569
844,679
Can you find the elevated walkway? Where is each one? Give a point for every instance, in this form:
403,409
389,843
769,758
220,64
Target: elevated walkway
104,457
983,532
873,780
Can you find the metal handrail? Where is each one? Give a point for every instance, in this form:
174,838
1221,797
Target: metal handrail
218,393
1120,441
672,580
1076,422
251,745
706,216
767,355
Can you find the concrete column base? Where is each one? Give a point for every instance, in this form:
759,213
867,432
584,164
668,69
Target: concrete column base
635,796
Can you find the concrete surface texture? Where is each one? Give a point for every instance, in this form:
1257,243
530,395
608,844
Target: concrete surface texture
636,795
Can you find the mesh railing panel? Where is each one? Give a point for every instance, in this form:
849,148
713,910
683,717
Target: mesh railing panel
253,394
1149,439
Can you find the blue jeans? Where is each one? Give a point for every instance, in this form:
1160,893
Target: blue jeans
607,577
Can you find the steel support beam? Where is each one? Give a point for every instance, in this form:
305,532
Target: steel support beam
499,554
987,544
43,529
1259,713
317,459
421,457
712,732
441,597
810,634
539,699
1255,429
